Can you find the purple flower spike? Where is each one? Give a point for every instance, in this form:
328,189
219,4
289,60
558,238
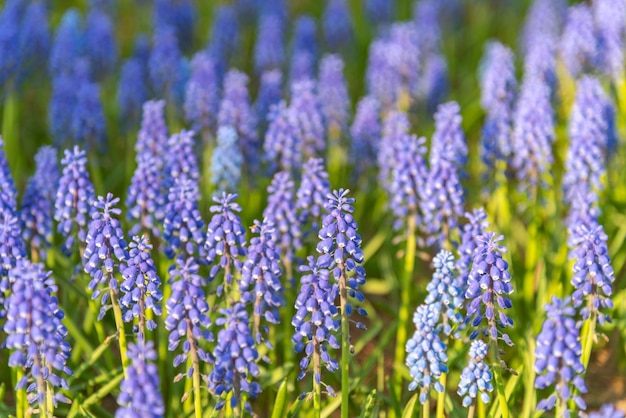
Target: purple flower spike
395,127
282,148
426,353
88,122
558,358
593,274
202,94
187,317
164,64
607,411
67,46
235,358
8,192
35,332
100,44
281,210
270,94
105,250
225,240
139,392
141,286
488,287
311,195
333,94
132,92
475,227
236,111
38,202
74,198
365,133
12,250
579,42
261,280
152,136
477,376
183,227
337,24
307,120
269,50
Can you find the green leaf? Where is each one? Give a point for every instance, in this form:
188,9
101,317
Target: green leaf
368,406
281,400
294,411
409,409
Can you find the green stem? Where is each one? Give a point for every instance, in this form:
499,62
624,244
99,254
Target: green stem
405,301
345,346
21,404
471,410
41,388
589,331
504,408
121,333
12,145
482,409
193,354
426,409
441,396
317,387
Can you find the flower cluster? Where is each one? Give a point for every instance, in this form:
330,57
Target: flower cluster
202,93
226,160
333,94
74,197
8,193
35,332
235,358
558,357
11,251
141,285
225,240
260,283
183,227
488,287
476,376
281,211
443,288
139,392
311,194
475,227
269,50
426,353
105,249
579,43
593,274
365,133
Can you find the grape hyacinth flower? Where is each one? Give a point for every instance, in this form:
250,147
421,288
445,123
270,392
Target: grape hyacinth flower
426,353
444,289
395,127
180,15
202,94
164,64
442,192
100,45
340,245
145,201
141,286
236,111
333,95
383,81
488,287
132,92
269,49
316,321
558,358
281,211
579,41
533,135
475,227
67,46
282,148
607,411
180,161
183,227
304,49
610,22
235,359
408,178
311,195
380,12
433,85
61,109
307,120
498,94
10,56
105,252
365,133
449,141
260,284
225,240
74,198
12,250
593,274
476,376
35,38
88,123
224,36
593,138
226,160
139,393
543,21
8,192
38,202
270,94
188,319
337,24
153,136
36,335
